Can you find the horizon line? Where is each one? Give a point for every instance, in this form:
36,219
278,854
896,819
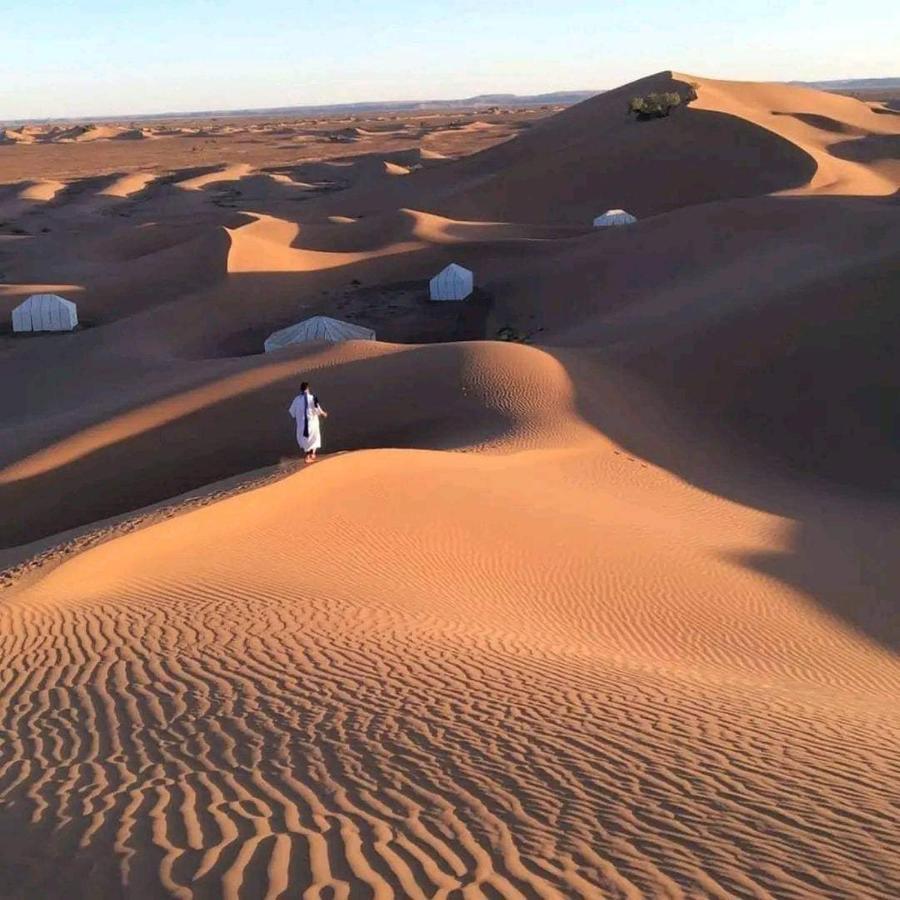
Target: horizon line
368,105
486,98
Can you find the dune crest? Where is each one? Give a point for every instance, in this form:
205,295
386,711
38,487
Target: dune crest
41,190
129,184
810,120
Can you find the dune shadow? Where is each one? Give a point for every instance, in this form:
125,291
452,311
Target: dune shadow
823,123
236,422
398,313
874,148
846,558
844,543
83,188
791,407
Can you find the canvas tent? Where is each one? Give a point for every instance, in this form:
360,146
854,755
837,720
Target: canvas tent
318,328
614,217
453,283
45,312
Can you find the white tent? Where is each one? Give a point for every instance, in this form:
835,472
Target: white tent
318,328
614,217
45,312
453,283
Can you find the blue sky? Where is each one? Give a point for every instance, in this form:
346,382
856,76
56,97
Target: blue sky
116,57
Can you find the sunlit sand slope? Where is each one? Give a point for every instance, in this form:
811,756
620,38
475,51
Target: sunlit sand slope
556,673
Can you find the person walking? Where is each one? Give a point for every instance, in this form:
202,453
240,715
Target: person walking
307,412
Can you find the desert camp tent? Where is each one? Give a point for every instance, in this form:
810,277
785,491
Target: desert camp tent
614,217
318,328
45,312
453,283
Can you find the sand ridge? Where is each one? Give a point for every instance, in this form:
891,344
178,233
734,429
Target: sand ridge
818,125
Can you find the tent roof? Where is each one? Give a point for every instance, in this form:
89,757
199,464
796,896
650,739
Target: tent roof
37,297
616,215
319,328
455,268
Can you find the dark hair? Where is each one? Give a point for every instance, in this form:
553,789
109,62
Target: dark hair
304,386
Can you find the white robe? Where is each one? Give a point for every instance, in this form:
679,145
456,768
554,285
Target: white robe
303,406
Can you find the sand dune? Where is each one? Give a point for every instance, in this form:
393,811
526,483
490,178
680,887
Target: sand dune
512,704
609,616
85,133
395,169
379,232
735,140
15,136
134,134
18,198
259,382
127,185
229,173
810,121
41,190
265,246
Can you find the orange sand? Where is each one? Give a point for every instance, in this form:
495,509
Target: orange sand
611,615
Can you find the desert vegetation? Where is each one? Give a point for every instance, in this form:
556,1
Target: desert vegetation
654,106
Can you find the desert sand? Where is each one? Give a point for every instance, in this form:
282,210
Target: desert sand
607,610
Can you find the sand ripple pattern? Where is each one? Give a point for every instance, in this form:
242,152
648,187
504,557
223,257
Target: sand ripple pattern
186,742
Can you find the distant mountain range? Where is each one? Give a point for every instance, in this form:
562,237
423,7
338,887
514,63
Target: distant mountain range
855,84
481,101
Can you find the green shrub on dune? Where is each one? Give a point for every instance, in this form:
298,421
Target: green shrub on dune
654,106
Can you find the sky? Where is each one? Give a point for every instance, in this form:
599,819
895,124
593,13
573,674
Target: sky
82,58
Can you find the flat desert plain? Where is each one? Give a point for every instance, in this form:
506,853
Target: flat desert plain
604,608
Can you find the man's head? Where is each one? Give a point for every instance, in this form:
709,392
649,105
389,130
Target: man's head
304,387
